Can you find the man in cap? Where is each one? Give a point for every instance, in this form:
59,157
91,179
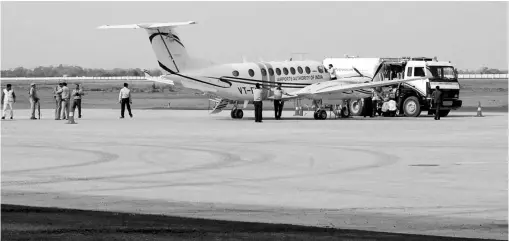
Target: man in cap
34,100
8,99
58,100
66,97
77,93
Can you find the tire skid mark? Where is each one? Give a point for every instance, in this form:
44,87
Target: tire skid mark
103,158
385,159
228,160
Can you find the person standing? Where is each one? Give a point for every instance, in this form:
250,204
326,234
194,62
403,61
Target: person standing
124,98
66,97
258,104
437,101
77,93
58,100
34,100
8,99
374,102
278,101
332,72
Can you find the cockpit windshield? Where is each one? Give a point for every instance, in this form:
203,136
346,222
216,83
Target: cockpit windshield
442,73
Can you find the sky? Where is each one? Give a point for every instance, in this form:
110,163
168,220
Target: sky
469,34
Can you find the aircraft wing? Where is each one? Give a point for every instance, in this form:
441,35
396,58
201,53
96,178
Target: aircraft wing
336,87
147,25
160,80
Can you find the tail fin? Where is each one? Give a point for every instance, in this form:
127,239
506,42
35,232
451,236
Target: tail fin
171,54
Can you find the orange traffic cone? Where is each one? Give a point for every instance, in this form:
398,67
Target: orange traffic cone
479,111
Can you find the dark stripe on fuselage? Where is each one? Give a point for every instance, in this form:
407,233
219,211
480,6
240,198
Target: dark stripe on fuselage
254,83
190,78
254,80
151,37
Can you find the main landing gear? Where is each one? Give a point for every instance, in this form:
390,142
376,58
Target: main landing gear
320,114
236,112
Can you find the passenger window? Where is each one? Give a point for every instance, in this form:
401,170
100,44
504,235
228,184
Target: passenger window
235,73
278,71
308,70
285,70
271,72
264,72
409,71
419,71
251,72
292,70
320,69
300,70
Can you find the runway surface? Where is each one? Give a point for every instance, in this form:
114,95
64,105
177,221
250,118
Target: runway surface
408,175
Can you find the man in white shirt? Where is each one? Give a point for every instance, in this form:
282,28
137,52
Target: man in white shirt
258,104
58,100
332,72
278,102
8,99
124,98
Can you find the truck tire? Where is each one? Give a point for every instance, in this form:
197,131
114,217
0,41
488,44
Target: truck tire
355,107
411,107
444,113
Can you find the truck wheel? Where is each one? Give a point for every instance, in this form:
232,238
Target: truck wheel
355,107
444,113
411,107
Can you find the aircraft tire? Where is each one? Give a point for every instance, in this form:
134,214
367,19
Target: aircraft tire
322,114
239,114
355,107
315,115
411,107
233,114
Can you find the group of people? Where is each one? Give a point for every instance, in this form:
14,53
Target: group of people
278,102
63,95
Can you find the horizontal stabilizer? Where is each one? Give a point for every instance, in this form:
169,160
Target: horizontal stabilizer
147,25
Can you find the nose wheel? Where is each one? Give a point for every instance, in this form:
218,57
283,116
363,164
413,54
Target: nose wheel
237,114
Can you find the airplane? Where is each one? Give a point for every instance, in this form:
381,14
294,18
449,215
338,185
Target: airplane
233,83
157,79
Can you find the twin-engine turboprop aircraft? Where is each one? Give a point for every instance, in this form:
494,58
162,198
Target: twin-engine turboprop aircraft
234,83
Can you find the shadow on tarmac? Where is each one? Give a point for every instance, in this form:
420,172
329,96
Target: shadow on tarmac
37,223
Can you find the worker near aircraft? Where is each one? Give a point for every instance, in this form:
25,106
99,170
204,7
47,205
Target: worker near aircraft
77,93
66,97
8,99
258,104
34,100
278,101
375,97
124,98
332,72
437,101
58,100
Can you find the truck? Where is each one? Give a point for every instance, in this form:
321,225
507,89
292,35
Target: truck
412,97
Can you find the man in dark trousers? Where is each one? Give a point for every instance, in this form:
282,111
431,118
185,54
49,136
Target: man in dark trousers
437,101
368,108
257,100
124,98
77,93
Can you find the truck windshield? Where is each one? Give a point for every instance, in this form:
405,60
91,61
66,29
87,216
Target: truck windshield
442,73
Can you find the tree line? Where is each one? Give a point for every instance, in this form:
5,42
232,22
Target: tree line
74,71
77,71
